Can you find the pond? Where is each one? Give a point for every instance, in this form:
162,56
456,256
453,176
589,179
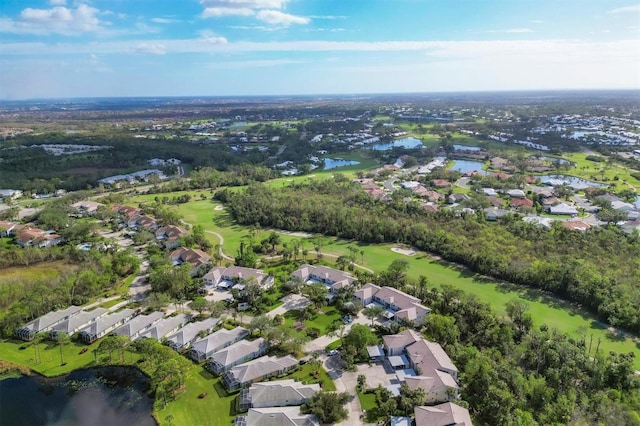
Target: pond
400,143
554,160
332,163
466,148
466,166
98,396
571,181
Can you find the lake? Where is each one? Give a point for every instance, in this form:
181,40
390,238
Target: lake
97,396
332,163
400,143
466,166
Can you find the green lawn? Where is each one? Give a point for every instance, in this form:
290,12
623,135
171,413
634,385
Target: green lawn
368,404
24,353
216,409
602,172
304,375
321,321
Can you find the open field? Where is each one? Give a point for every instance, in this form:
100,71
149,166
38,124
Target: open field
41,271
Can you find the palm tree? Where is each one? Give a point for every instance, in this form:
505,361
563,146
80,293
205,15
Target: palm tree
62,339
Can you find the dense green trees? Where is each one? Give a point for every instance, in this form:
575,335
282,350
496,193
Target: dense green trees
328,406
598,269
87,275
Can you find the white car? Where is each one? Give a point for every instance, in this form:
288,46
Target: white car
333,352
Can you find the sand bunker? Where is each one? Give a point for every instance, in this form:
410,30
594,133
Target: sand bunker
405,251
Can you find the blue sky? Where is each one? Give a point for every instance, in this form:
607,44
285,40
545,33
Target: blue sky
87,48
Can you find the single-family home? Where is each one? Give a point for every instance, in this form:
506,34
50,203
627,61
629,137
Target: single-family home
447,414
276,416
74,323
184,337
169,235
576,225
520,202
441,183
333,278
438,386
457,198
563,209
87,207
105,325
493,214
516,193
165,327
45,322
195,257
277,393
257,370
203,348
239,352
399,305
137,325
225,277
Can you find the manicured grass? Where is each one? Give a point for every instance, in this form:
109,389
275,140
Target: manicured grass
368,404
601,172
322,321
110,303
216,409
24,353
304,375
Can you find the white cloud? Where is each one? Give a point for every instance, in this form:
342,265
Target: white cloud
249,4
164,20
626,9
150,49
214,12
275,17
58,19
268,11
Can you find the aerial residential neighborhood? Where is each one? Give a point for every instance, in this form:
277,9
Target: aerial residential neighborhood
406,259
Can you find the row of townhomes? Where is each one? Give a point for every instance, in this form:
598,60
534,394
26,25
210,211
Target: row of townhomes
226,277
29,236
332,278
276,403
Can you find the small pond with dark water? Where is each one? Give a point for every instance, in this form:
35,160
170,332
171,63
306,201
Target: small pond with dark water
97,396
